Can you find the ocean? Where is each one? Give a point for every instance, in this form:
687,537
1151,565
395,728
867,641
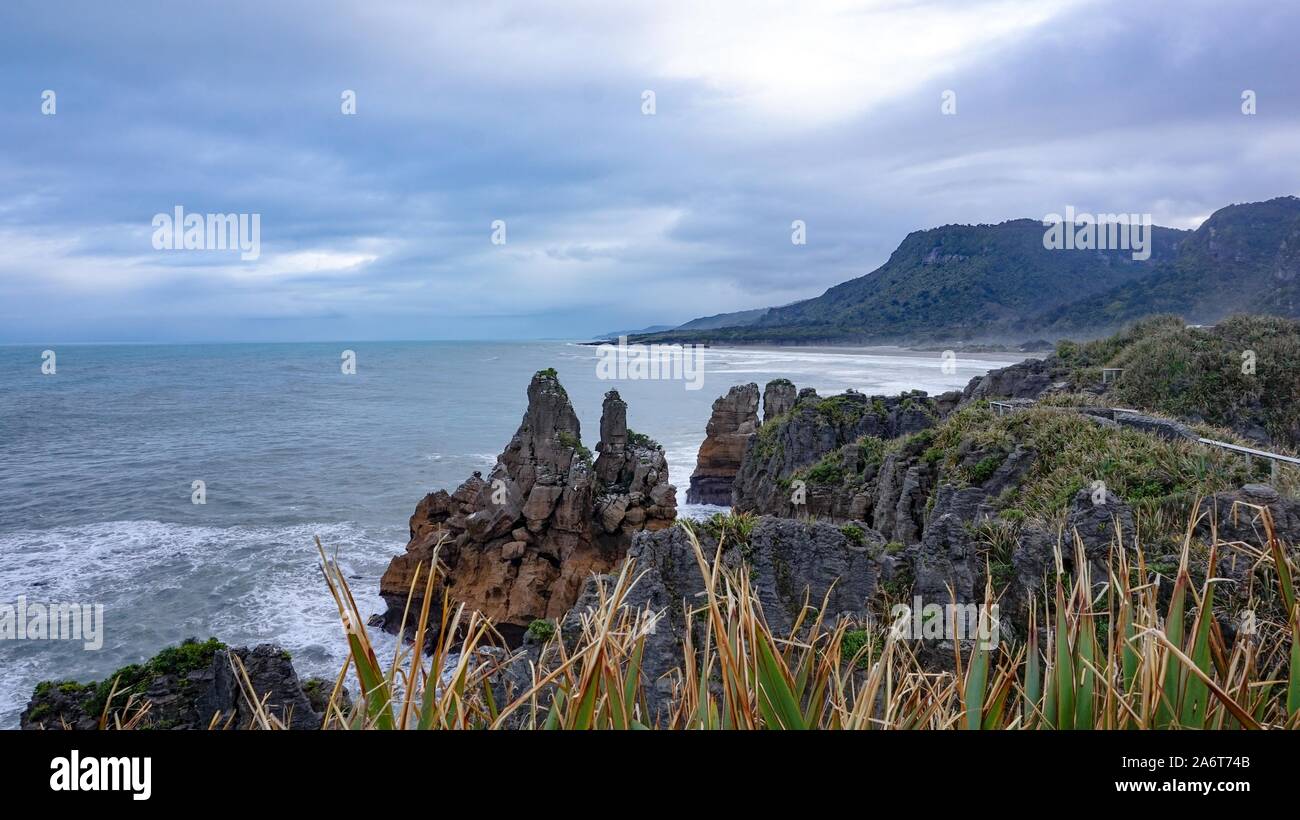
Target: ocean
98,462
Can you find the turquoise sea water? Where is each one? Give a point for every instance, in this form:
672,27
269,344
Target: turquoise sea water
97,463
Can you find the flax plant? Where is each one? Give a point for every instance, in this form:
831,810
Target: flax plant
1106,652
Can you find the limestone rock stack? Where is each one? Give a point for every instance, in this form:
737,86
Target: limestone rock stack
733,421
519,544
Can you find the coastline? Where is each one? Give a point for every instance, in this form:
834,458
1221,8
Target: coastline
847,347
416,416
901,488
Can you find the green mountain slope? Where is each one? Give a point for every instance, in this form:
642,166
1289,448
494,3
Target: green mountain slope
998,282
741,318
1243,259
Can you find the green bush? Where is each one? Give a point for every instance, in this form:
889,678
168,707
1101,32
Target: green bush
986,467
733,528
829,471
571,441
134,679
541,630
841,410
855,641
636,439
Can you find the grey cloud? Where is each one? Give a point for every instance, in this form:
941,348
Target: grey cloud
475,112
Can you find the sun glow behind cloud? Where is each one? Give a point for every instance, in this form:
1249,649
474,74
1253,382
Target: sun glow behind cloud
803,65
469,112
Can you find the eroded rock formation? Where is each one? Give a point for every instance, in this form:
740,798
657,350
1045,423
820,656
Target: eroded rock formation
778,398
790,563
1024,380
733,421
518,545
854,482
633,476
187,687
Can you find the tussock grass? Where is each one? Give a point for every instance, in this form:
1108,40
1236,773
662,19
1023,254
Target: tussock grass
1161,479
1198,373
1102,653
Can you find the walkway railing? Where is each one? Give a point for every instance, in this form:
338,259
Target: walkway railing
1003,408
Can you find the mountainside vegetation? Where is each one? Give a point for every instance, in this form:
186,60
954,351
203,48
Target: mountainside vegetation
981,283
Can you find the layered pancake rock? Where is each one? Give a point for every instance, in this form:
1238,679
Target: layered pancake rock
733,421
518,545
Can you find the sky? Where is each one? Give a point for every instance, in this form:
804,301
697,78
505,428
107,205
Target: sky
379,224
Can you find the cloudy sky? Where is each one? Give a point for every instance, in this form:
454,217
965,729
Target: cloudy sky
378,225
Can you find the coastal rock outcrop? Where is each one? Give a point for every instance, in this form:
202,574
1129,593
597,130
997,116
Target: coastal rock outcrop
518,545
733,421
1238,516
1025,380
820,442
632,475
790,563
946,564
778,398
191,686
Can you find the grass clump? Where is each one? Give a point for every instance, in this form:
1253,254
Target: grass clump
986,467
132,681
842,410
854,533
575,444
731,529
767,441
871,450
541,630
857,647
827,472
120,693
1150,473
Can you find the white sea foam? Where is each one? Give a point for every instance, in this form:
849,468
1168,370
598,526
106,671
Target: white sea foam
161,583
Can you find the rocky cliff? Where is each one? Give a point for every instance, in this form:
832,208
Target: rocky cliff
959,489
518,545
791,563
778,398
190,686
733,421
824,456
